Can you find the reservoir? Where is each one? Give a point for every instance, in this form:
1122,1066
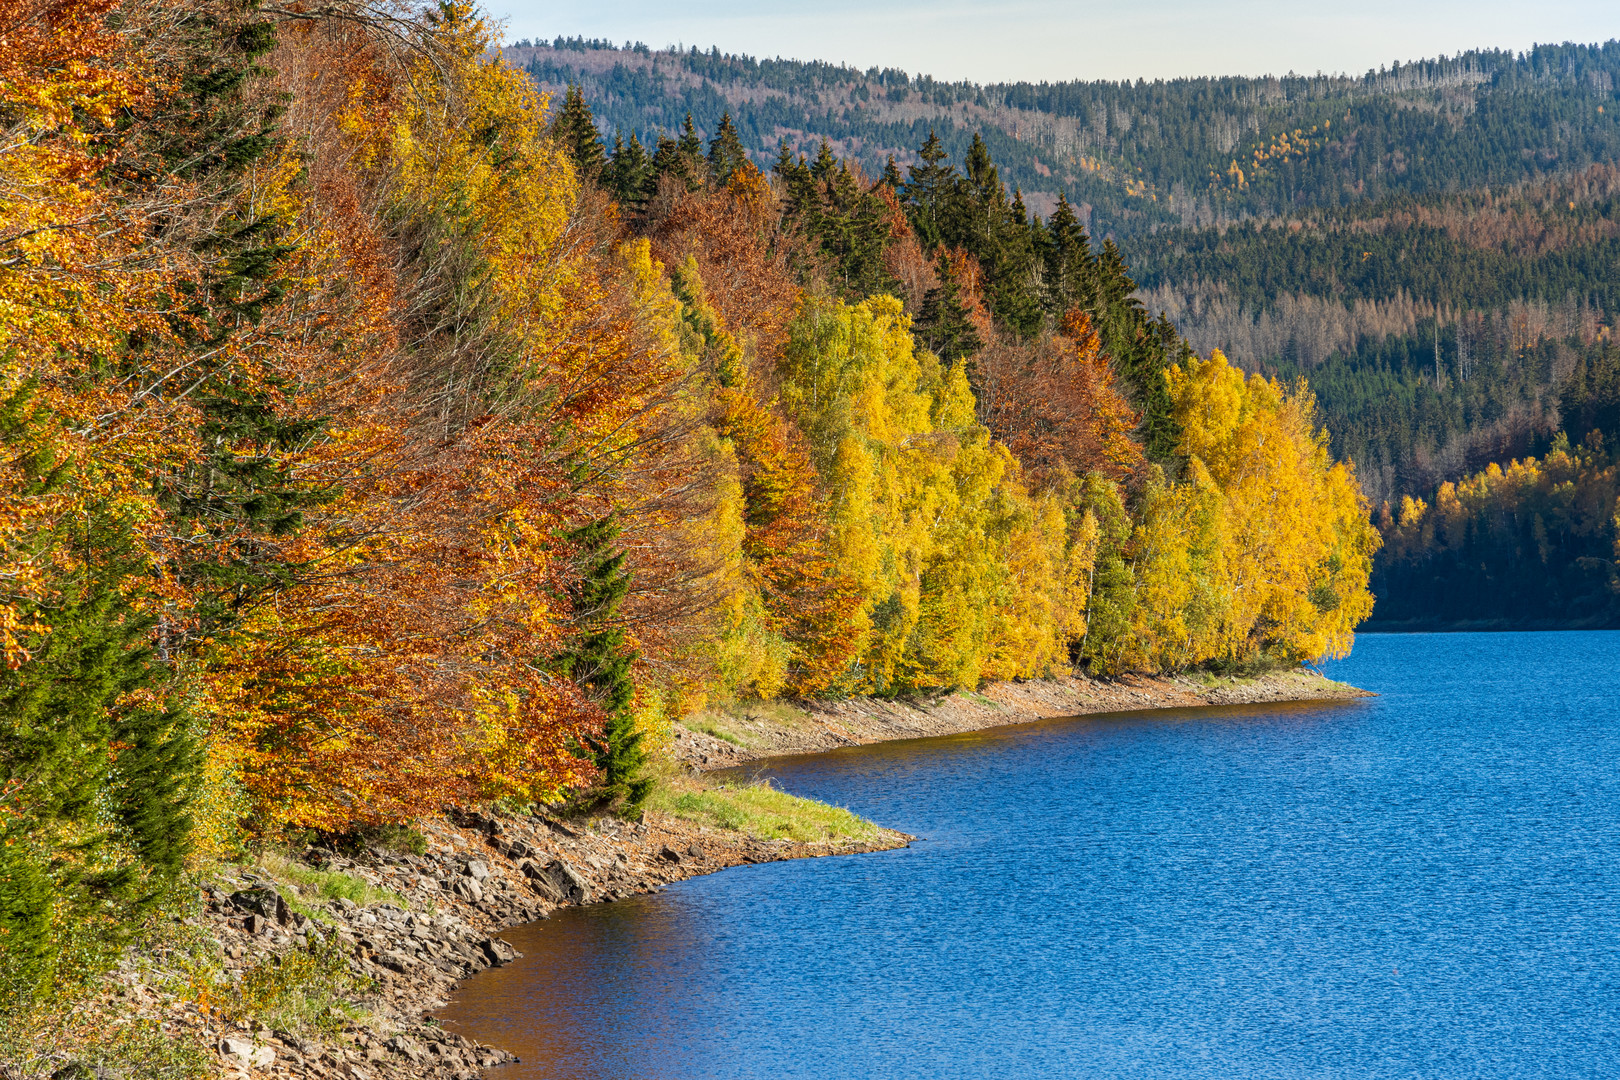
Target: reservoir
1422,884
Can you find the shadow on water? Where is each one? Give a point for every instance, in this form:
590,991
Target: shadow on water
1421,884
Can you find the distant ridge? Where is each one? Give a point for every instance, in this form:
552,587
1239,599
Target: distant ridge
1138,155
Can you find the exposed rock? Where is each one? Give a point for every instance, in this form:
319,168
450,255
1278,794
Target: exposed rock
262,900
246,1052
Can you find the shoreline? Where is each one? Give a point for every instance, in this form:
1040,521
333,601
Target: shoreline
434,918
720,740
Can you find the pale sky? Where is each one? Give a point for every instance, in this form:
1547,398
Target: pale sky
1080,39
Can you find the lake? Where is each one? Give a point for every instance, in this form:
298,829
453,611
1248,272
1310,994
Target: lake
1422,884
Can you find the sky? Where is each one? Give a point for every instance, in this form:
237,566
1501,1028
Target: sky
1082,39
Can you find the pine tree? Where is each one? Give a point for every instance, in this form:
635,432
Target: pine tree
943,324
599,663
629,174
1069,278
726,153
825,162
891,175
681,158
689,143
929,193
575,130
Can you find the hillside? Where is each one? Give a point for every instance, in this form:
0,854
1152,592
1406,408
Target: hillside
1134,156
1433,244
377,442
1438,331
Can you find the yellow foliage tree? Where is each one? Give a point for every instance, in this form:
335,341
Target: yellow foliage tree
1295,536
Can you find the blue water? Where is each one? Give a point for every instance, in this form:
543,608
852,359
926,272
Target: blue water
1424,884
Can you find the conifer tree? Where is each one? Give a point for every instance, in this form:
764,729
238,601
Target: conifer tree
575,130
599,662
629,173
726,153
681,158
891,175
1068,278
943,323
825,162
929,193
689,143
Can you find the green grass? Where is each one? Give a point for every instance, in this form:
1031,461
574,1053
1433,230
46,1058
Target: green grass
735,721
709,727
760,811
317,886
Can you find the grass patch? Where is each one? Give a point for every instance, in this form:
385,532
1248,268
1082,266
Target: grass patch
710,727
759,810
318,886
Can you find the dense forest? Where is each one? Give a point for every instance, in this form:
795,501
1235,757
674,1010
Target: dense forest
1436,330
1434,246
1136,156
1349,229
1533,542
376,438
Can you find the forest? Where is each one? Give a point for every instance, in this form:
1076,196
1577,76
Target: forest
1437,330
1530,543
1432,243
1137,156
377,437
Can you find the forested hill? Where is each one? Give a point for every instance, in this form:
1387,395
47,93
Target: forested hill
1137,155
1439,331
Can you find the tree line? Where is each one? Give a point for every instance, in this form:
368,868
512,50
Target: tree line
377,439
1533,542
1136,156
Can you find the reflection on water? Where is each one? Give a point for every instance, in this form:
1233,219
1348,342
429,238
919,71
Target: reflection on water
1423,884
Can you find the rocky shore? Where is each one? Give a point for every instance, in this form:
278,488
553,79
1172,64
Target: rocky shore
720,741
433,918
406,955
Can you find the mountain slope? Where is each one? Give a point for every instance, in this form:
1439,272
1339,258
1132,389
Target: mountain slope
1139,155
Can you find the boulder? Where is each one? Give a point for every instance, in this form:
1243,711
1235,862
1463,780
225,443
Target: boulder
246,1052
396,961
477,869
499,952
570,882
262,900
407,1048
468,889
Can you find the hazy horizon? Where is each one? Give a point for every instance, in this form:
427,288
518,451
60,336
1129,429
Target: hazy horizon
1039,40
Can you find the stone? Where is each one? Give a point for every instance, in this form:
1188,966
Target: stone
262,900
396,961
399,1044
246,1052
669,854
468,889
499,952
515,849
477,869
695,851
